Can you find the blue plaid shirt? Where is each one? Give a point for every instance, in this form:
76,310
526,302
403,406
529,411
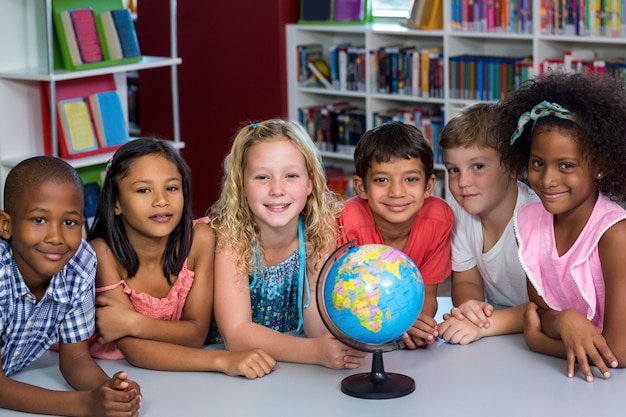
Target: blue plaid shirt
66,313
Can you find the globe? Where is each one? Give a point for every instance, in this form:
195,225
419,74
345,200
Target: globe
368,297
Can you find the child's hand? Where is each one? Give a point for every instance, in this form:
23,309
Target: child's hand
113,318
476,311
117,396
250,363
582,340
458,331
336,355
423,332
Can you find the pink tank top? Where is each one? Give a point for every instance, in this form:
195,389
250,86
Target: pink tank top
168,308
575,279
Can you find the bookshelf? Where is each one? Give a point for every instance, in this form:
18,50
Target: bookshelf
537,39
28,60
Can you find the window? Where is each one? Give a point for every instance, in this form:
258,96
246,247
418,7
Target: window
391,8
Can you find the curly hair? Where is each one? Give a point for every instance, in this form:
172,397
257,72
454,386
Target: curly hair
231,217
598,103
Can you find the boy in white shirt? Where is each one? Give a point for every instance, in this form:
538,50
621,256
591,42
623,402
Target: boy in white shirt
488,282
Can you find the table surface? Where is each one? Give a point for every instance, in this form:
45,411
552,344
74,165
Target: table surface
496,376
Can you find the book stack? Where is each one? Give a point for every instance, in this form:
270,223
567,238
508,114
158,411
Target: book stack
93,37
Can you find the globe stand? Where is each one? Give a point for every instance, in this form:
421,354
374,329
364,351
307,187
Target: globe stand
377,385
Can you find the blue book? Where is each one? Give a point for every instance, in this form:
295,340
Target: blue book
109,119
126,32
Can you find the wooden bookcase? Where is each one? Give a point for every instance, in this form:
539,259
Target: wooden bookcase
28,60
452,40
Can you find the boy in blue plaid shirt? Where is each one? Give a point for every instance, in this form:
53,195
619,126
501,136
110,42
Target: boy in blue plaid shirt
47,291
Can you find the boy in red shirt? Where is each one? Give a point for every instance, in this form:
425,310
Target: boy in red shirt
393,206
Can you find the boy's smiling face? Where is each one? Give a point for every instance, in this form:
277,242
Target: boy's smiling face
395,191
477,180
45,229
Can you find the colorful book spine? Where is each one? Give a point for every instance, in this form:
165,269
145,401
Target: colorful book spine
126,32
87,38
109,119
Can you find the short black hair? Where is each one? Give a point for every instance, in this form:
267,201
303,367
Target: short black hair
392,140
35,171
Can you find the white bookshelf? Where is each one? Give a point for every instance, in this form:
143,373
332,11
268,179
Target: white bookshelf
453,42
27,60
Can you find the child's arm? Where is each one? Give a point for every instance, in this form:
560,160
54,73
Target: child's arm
505,321
102,395
566,334
97,395
234,319
573,337
468,294
28,398
117,318
424,330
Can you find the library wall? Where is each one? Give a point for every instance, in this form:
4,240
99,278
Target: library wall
233,70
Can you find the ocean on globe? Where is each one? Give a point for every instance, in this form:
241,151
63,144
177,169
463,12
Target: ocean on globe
372,294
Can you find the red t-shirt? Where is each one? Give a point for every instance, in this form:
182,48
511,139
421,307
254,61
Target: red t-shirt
429,239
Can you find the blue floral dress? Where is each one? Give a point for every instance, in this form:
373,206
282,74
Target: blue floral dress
273,298
274,295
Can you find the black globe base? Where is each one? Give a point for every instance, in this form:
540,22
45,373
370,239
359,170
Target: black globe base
377,385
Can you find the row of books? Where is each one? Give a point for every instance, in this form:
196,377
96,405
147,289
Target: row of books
408,71
479,77
584,18
585,61
340,181
87,38
337,127
394,69
430,119
345,69
507,16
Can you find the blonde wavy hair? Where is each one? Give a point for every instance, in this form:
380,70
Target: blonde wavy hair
231,216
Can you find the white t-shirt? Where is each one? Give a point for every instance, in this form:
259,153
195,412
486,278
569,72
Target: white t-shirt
504,278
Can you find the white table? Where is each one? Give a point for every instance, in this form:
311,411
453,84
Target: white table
497,376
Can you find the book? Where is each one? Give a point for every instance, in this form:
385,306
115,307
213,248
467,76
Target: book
112,47
432,15
318,75
349,10
316,10
415,18
108,118
308,53
73,53
87,38
92,195
75,122
126,32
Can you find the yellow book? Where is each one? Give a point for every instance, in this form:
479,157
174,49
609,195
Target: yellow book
76,125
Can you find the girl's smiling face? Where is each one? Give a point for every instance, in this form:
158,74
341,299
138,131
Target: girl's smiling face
276,183
561,175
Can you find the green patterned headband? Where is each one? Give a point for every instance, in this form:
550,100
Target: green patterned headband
540,110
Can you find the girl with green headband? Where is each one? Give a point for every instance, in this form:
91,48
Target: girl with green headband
565,134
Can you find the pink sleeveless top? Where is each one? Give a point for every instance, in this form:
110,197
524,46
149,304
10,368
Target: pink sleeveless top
575,279
168,308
